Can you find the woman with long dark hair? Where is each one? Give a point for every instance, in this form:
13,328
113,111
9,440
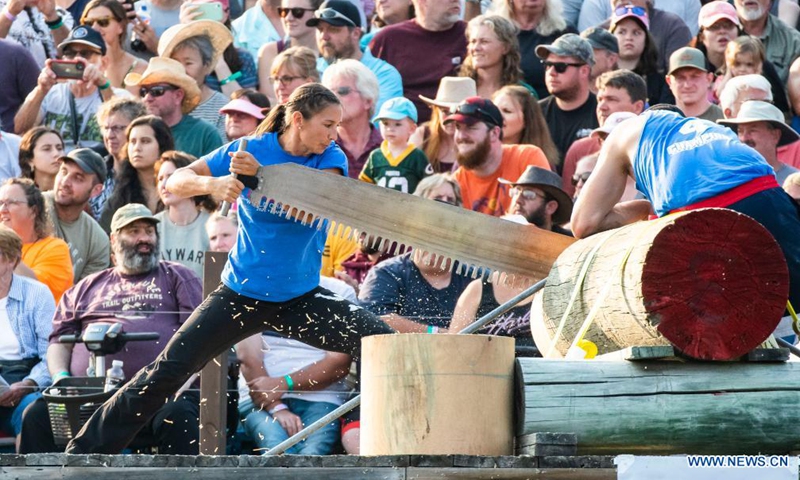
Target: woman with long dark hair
39,151
271,279
523,122
147,138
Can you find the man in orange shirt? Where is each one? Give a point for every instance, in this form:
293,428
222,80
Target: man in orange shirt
483,158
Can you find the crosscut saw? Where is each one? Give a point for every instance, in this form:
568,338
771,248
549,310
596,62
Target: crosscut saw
475,243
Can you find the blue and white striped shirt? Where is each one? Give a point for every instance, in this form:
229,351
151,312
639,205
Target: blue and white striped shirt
31,308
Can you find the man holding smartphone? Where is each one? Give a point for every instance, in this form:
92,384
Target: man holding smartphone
70,90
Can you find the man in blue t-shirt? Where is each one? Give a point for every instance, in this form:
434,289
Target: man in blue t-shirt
682,163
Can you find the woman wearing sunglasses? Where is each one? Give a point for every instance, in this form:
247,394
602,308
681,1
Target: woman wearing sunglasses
147,138
638,52
108,17
294,14
271,279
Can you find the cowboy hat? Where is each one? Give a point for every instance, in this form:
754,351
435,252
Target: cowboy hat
218,33
550,183
452,91
167,70
757,111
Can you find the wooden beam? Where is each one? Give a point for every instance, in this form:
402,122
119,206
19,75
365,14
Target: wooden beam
214,376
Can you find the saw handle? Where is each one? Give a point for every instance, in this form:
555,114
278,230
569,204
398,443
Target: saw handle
226,206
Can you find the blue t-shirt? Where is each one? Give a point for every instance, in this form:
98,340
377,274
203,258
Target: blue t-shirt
681,161
274,259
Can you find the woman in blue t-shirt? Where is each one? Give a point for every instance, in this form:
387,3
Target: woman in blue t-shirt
271,280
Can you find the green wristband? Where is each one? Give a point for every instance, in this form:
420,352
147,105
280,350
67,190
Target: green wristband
58,376
231,78
289,382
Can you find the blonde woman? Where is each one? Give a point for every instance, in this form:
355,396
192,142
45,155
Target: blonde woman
292,68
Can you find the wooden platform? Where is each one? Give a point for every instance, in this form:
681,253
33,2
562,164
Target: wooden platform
334,467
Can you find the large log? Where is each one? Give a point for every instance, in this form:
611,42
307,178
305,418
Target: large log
658,407
437,395
712,282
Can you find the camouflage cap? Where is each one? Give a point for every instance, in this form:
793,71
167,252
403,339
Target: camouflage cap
568,45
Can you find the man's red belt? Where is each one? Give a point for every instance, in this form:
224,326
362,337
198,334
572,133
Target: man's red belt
734,195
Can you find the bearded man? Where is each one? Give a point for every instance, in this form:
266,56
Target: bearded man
142,293
483,158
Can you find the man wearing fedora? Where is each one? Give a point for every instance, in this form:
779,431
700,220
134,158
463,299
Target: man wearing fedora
338,33
70,106
761,125
168,92
483,158
537,196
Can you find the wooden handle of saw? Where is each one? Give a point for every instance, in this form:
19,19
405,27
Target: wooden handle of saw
226,206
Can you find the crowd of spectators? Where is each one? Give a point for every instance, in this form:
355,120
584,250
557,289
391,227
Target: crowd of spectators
499,107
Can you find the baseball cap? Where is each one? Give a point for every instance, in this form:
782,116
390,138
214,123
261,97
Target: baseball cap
243,106
89,161
397,108
601,39
713,12
130,213
687,57
568,45
476,109
630,11
611,122
85,36
339,13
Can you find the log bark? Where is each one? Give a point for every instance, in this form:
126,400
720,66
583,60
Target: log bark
659,408
437,395
711,282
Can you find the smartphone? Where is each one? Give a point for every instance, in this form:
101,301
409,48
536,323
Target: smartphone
209,11
72,69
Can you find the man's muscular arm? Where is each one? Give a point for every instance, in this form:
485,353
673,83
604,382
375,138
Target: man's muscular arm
597,208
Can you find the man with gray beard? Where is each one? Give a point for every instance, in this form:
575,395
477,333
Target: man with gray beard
142,293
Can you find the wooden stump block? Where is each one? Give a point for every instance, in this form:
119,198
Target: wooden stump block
711,282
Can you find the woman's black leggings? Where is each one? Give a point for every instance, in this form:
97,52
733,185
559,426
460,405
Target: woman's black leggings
319,318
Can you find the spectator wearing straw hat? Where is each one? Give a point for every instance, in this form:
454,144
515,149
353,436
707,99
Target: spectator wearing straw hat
142,293
435,138
761,126
168,92
199,45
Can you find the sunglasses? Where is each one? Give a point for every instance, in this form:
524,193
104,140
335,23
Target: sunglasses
580,177
560,67
638,11
284,80
330,14
103,22
156,90
85,54
473,110
297,12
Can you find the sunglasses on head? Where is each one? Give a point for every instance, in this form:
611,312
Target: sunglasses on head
156,90
560,67
103,22
473,110
624,9
297,12
580,177
330,14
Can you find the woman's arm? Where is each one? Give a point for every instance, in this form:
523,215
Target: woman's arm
467,306
196,179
